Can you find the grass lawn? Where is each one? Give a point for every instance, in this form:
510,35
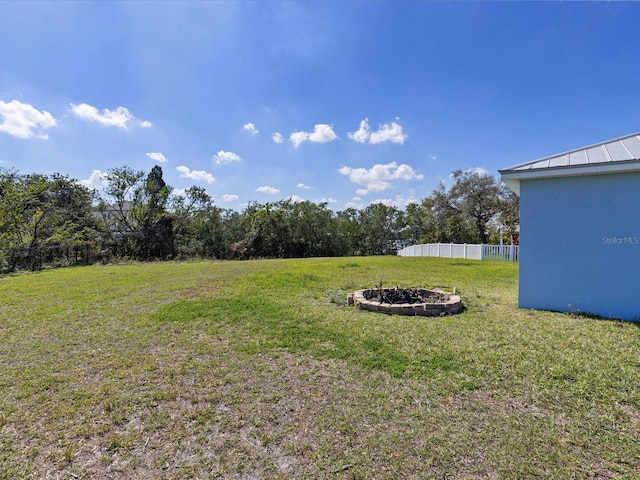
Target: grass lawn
258,370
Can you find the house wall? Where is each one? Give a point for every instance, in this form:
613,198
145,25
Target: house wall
580,245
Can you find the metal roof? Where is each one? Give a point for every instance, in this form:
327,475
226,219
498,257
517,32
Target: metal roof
618,155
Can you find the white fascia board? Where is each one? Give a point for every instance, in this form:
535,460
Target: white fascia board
514,185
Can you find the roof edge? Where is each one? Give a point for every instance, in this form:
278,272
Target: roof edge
572,170
569,152
513,177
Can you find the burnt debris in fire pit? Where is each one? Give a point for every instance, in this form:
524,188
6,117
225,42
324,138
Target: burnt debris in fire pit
407,301
405,295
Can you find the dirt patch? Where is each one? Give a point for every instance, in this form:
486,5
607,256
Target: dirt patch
279,415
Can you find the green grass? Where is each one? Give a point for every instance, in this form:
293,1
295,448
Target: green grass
260,370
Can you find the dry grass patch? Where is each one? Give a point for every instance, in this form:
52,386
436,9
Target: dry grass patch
256,370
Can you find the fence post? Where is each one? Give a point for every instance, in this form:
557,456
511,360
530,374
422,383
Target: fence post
465,251
482,251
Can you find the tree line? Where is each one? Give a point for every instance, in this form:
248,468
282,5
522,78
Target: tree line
53,220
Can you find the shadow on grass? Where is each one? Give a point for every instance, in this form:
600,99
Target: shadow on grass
592,316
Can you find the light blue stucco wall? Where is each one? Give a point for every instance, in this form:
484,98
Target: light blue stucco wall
580,245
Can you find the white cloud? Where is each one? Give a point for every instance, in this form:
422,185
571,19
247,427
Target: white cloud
295,199
432,156
389,132
354,204
362,192
229,197
112,118
362,134
146,124
179,192
95,181
251,128
198,175
298,137
269,190
225,157
322,133
328,200
277,138
22,120
302,185
379,177
157,157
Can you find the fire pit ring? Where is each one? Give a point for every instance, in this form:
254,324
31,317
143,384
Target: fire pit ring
437,302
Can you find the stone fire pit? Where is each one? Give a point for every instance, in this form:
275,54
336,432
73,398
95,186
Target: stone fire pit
407,301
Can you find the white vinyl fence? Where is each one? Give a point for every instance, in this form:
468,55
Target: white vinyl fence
462,250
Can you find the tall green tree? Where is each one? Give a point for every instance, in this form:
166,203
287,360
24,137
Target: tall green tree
135,213
270,234
429,224
45,220
311,227
10,217
191,212
237,234
381,227
156,224
118,209
471,204
416,219
509,212
348,236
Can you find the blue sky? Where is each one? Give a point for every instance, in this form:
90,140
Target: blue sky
348,102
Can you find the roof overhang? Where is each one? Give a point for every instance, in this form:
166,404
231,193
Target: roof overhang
512,178
620,155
